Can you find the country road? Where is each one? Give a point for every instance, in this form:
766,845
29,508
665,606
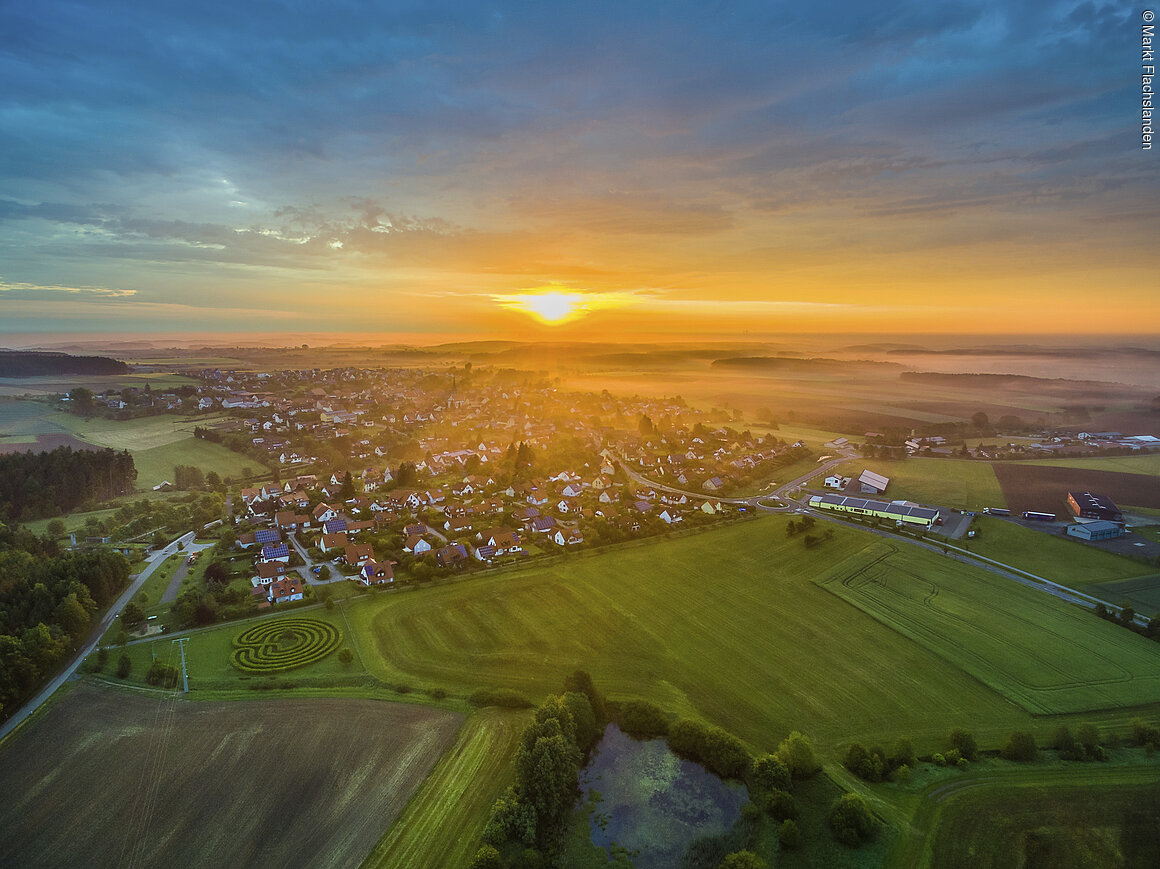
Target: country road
151,563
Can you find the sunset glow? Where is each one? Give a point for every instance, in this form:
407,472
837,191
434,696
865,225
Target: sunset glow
552,307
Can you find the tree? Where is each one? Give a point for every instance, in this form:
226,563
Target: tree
124,666
486,858
789,834
742,860
796,751
852,821
217,574
868,766
132,615
980,420
962,741
582,682
72,615
1020,747
55,529
82,400
1127,615
346,492
770,774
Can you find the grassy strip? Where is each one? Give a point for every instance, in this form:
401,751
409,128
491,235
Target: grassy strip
440,826
1050,555
961,483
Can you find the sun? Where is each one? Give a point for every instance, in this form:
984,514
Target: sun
553,307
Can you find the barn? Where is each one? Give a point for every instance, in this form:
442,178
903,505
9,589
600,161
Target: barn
1087,505
872,483
1097,530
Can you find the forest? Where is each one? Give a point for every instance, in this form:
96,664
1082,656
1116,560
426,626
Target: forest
15,363
48,601
36,485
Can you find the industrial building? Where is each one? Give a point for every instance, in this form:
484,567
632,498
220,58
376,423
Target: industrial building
899,511
872,483
1087,505
1097,530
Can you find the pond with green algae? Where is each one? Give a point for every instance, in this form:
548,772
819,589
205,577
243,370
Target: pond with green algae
653,803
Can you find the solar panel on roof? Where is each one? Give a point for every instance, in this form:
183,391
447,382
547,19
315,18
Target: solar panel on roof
265,535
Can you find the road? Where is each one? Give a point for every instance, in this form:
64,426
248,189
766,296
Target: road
170,593
151,564
306,571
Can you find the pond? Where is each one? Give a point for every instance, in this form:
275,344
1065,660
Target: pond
653,802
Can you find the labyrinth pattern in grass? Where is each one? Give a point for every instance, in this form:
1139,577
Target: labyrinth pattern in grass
285,644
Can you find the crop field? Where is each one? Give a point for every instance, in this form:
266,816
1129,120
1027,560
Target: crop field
1062,818
169,782
726,625
1048,656
961,483
1142,464
1045,487
1142,592
1049,554
440,826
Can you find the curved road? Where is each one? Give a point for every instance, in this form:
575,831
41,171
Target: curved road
152,562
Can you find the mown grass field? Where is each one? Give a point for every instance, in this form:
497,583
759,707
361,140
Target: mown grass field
1077,816
441,824
271,783
1048,656
1051,555
728,625
156,464
962,483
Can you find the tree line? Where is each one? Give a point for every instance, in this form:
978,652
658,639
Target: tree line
36,485
48,601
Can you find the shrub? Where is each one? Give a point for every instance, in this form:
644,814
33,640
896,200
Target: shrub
851,820
779,805
1062,740
770,774
1020,747
868,766
436,693
486,858
901,754
938,759
789,835
965,743
1088,736
283,644
796,751
953,757
346,656
641,718
124,666
742,860
720,751
901,774
962,763
1144,733
162,674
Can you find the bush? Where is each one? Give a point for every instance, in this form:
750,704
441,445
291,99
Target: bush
901,774
938,759
770,774
867,765
1144,733
346,656
718,750
1062,740
965,743
851,820
500,697
486,858
1088,736
742,860
641,718
789,835
796,751
901,754
162,674
779,805
124,666
1020,747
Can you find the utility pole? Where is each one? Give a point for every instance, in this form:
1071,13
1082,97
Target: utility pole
184,673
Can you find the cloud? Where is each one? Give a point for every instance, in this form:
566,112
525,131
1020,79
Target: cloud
18,291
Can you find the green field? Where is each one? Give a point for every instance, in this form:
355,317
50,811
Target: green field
1051,555
156,464
728,625
1077,816
961,483
1048,656
441,824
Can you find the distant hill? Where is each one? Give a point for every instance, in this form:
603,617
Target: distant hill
24,363
789,363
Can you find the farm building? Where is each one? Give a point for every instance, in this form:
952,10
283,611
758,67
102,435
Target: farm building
1097,530
1087,505
872,483
836,481
899,511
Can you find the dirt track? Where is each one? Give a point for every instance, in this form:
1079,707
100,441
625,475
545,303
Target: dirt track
109,778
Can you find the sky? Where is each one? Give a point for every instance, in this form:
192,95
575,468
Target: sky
585,170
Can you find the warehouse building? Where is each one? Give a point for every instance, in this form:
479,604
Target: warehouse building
900,511
872,483
1087,505
1097,530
